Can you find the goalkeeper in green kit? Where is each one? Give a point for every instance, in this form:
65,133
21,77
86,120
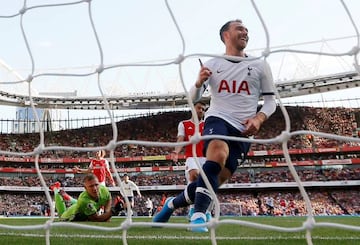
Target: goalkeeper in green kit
89,202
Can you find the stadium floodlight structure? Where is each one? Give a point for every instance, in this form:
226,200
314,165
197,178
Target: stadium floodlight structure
319,84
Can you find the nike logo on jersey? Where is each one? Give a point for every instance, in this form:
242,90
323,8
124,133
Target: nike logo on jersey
211,130
219,71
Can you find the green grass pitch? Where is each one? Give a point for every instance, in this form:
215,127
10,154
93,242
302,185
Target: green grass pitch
226,233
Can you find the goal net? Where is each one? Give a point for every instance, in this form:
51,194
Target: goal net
108,55
233,209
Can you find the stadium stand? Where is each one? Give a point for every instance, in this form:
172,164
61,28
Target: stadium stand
329,169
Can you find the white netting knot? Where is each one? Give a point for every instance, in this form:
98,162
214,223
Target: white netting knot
29,78
284,136
309,224
212,223
111,145
179,59
47,225
100,69
39,149
266,52
355,50
195,138
126,224
23,10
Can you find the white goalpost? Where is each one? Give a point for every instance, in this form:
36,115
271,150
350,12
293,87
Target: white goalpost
102,79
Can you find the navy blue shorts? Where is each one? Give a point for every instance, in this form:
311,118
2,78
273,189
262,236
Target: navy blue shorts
237,149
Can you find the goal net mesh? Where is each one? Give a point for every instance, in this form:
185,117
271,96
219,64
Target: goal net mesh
96,76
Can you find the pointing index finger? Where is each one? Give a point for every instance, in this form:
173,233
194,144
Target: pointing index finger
201,64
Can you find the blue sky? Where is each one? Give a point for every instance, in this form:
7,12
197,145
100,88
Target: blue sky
61,40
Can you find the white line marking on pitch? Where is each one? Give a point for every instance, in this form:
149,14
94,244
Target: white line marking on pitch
181,237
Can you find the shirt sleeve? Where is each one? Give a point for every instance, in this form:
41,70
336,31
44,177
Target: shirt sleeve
196,93
135,186
107,165
268,91
181,129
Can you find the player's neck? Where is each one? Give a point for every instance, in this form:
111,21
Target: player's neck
235,52
193,119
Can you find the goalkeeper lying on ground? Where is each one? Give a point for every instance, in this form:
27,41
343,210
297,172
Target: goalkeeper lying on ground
90,201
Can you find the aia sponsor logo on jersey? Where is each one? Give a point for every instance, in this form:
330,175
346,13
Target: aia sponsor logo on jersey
234,87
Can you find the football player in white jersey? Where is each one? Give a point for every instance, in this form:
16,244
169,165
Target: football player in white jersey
129,188
235,86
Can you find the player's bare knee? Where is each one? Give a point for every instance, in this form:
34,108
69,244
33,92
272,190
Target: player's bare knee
218,151
193,175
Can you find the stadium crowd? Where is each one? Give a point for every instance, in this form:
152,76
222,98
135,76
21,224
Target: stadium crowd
328,202
243,175
324,201
162,127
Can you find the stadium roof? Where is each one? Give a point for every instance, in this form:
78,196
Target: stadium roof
314,85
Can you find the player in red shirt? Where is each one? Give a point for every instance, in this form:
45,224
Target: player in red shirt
99,166
186,129
282,203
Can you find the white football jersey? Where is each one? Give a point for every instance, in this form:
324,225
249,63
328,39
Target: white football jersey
129,188
236,87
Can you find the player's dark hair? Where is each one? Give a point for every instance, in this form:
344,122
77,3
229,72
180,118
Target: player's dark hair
200,102
226,26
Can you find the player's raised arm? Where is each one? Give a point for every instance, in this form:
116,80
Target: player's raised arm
199,87
78,170
204,75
